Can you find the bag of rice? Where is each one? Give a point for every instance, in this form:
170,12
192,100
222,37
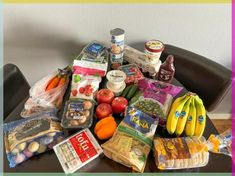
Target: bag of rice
132,141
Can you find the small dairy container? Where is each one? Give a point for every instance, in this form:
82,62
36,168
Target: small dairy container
153,50
116,81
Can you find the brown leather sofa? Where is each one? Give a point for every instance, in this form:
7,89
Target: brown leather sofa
210,80
16,88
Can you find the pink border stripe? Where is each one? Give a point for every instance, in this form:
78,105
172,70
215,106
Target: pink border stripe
233,88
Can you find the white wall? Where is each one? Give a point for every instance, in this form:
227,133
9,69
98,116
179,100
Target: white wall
40,38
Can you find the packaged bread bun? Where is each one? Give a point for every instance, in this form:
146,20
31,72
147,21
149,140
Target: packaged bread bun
180,153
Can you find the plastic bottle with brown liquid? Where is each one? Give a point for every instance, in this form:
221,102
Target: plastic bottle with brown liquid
167,70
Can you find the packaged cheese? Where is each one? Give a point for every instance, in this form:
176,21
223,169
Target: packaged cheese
180,153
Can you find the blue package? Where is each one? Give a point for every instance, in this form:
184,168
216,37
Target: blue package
139,120
94,49
32,136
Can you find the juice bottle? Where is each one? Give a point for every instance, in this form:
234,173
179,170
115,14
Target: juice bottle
167,70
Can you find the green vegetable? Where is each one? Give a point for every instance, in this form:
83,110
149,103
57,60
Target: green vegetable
126,90
135,97
131,92
150,107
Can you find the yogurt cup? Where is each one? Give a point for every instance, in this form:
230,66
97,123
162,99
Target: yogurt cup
117,92
116,79
153,50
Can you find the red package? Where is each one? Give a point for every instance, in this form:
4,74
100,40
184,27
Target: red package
133,74
77,151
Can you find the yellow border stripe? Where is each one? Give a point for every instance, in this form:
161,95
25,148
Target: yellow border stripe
117,1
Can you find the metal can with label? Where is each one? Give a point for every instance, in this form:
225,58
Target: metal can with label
117,40
117,47
116,60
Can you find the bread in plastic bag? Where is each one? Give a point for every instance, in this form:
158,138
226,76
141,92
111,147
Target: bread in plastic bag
42,100
221,143
132,141
180,153
32,136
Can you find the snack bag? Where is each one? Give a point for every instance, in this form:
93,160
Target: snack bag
32,136
221,143
158,86
156,98
46,95
84,86
132,141
180,153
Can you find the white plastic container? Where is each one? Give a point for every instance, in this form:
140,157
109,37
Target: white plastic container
153,50
116,81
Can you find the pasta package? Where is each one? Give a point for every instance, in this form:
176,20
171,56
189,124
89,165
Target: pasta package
28,137
180,153
132,141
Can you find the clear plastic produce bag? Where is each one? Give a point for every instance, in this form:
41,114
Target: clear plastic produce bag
26,138
46,95
221,143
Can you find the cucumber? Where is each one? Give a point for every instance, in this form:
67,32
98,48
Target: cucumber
135,97
126,90
131,92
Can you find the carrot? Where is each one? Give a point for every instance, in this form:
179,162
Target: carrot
53,83
62,81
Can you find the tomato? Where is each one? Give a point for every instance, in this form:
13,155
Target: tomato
105,96
119,105
74,92
103,110
81,90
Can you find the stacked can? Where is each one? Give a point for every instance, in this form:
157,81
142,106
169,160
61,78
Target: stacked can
117,47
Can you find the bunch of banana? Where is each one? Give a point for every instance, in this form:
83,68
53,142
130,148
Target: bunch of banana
187,115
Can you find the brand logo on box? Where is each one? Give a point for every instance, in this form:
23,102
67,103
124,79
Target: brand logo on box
83,146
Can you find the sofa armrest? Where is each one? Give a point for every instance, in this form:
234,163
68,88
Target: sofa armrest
210,80
16,88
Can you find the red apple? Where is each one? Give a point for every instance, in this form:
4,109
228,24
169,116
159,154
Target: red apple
119,105
105,96
103,110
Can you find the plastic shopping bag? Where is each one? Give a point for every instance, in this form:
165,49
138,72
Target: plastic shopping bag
46,95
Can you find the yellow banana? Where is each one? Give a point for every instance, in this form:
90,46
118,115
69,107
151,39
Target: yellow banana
201,117
191,119
174,114
183,117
